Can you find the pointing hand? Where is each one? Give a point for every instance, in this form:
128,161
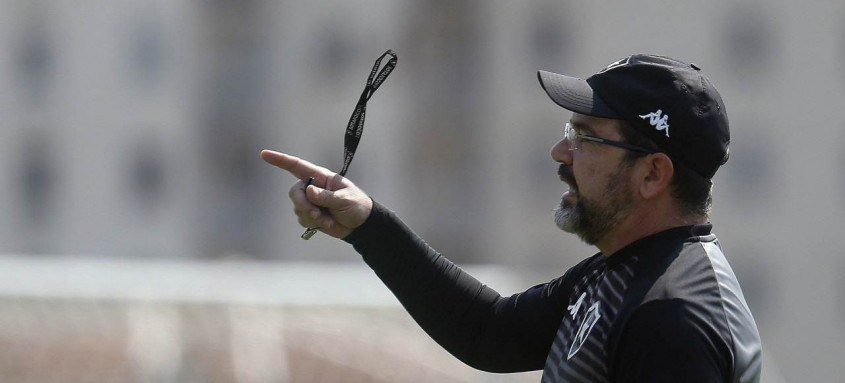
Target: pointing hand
332,203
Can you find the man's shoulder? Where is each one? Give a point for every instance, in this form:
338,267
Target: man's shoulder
698,281
694,292
677,277
687,273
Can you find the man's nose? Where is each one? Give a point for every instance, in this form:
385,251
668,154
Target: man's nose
560,152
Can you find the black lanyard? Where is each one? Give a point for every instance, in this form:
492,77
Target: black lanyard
355,127
356,122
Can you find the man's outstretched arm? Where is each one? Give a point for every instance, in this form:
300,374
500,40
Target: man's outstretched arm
467,318
470,320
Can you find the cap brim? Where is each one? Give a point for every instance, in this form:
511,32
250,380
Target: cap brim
574,94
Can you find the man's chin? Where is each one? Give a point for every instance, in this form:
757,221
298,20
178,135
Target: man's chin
565,217
568,217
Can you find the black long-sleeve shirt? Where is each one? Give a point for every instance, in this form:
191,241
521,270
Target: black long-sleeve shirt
665,308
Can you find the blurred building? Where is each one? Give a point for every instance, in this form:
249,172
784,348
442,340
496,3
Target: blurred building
101,128
131,129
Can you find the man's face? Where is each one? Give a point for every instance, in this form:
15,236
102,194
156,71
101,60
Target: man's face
599,195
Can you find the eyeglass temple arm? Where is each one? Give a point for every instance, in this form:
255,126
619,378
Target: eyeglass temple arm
617,144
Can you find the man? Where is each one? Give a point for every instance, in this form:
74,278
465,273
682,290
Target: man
658,303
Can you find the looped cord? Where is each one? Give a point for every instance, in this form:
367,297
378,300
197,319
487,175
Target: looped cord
355,127
356,123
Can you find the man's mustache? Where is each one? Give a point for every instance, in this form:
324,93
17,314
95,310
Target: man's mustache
566,175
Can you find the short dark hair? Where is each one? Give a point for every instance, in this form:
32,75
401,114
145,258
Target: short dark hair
691,190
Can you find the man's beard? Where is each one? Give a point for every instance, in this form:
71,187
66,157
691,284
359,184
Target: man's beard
591,219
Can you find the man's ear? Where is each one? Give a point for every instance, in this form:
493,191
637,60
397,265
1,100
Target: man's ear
657,173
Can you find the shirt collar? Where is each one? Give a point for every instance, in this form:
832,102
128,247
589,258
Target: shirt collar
662,241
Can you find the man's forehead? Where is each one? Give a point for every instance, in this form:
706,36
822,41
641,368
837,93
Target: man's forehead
594,124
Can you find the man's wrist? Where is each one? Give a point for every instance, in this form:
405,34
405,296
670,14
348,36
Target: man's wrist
358,230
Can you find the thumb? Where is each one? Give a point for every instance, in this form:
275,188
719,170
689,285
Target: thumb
323,198
348,206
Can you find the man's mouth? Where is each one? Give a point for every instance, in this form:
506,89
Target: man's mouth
565,174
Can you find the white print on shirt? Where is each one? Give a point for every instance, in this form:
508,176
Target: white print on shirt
655,120
590,320
573,309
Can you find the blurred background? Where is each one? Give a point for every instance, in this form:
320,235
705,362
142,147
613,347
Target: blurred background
143,240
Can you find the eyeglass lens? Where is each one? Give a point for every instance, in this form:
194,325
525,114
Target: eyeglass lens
571,136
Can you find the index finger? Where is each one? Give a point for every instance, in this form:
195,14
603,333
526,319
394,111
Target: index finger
300,168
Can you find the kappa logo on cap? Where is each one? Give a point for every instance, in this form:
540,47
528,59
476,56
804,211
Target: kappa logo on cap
658,120
616,64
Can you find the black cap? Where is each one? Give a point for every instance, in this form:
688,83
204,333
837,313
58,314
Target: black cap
669,101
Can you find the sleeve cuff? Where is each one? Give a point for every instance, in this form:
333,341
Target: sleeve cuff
369,227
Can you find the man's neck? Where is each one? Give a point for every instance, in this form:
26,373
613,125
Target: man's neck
640,225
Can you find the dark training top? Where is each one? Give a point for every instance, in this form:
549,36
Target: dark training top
666,308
